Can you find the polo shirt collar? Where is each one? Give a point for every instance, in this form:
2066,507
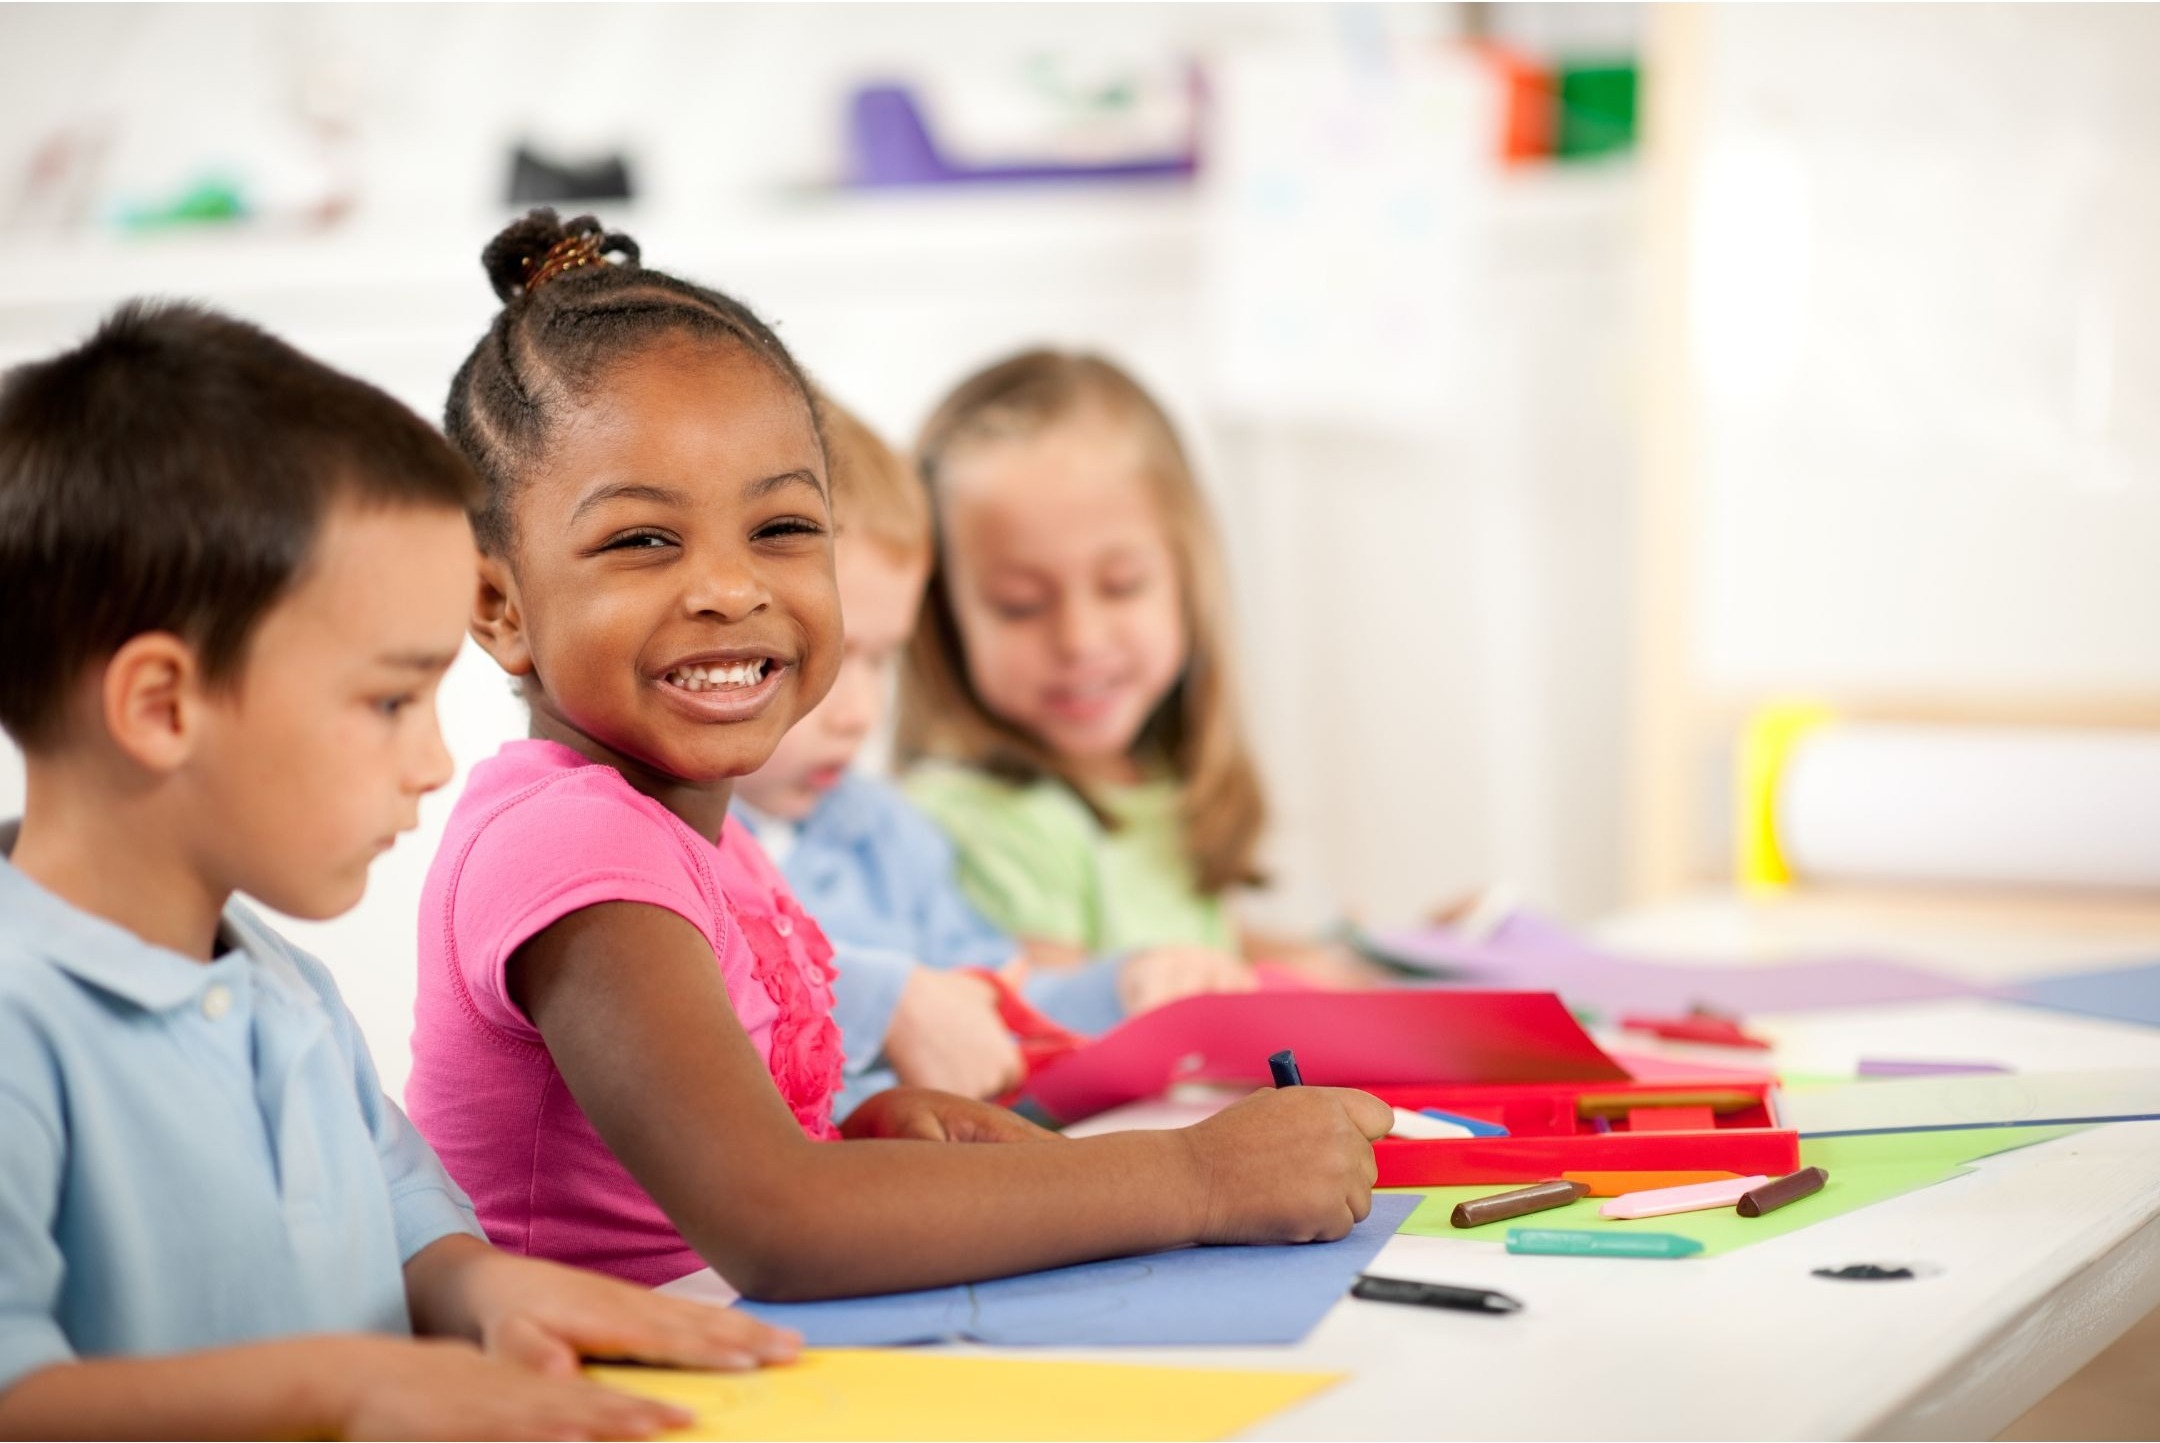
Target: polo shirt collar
846,814
101,953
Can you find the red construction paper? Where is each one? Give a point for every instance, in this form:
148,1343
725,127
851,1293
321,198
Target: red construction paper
1349,1039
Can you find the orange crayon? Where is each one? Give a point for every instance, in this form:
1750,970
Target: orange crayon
1618,1184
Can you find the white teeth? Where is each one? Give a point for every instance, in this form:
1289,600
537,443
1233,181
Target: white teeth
710,678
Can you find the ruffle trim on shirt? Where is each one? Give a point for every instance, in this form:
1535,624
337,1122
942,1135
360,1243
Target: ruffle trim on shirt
794,966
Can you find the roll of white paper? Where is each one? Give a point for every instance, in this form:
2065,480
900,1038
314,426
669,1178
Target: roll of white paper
1984,806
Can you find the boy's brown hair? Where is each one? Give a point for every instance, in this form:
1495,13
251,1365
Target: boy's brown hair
1195,728
171,474
875,493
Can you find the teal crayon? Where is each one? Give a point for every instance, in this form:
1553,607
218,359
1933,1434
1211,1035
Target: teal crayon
1574,1243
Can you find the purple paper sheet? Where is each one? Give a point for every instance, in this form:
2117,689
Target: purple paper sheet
1529,951
1921,1067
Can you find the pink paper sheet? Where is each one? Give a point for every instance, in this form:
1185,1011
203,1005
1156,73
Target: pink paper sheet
1341,1038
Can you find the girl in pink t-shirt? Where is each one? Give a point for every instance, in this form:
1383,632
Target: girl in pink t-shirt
624,1047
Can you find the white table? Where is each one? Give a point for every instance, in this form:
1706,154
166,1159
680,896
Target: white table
2046,1255
2041,1257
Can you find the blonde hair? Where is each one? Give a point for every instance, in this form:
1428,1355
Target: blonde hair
1195,728
875,494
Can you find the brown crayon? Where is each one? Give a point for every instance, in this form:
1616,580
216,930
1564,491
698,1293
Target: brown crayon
1534,1199
1775,1194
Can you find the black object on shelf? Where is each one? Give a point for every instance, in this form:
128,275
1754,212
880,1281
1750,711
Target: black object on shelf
537,180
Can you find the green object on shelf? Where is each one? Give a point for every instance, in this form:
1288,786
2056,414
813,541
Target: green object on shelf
1597,110
213,200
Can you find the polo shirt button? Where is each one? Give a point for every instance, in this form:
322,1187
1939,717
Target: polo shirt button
216,1001
784,925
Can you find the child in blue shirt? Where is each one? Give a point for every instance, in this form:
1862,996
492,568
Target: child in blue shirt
878,874
230,582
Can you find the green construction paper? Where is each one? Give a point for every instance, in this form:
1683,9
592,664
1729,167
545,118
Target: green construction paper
1863,1170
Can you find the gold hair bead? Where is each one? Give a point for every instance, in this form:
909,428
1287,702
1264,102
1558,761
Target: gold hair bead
567,254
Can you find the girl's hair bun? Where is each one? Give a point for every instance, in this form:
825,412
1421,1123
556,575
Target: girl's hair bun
539,245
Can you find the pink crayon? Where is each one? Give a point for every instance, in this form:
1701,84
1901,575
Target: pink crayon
1659,1201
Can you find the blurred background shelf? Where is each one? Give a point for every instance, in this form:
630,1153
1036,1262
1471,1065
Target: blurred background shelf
1536,474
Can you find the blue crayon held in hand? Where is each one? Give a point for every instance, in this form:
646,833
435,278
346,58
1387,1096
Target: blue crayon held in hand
1284,1065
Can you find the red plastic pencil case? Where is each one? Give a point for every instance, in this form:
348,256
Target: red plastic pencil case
1548,1133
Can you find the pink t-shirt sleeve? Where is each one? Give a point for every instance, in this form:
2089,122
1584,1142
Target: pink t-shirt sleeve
545,854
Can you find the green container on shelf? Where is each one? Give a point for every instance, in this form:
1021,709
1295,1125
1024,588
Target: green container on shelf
1597,110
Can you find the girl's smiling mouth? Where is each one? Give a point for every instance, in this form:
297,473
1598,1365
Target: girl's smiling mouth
1086,701
723,686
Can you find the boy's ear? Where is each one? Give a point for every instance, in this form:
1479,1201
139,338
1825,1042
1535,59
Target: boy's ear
150,696
497,622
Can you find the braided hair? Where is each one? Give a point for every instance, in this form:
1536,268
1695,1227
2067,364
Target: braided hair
568,314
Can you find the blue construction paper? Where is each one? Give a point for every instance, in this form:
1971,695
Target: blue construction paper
1224,1295
2128,994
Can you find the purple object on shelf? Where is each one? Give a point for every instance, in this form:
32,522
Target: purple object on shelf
1896,1067
890,144
1528,951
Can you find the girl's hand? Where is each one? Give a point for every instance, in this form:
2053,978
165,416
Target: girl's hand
435,1388
946,1034
1288,1164
918,1114
1164,974
547,1318
1329,964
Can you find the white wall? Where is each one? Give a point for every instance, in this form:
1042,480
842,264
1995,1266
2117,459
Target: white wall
1927,316
1434,612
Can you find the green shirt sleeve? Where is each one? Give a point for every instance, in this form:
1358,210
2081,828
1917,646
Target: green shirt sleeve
1024,854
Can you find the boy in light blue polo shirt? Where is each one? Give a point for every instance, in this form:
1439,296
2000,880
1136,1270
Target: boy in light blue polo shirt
230,581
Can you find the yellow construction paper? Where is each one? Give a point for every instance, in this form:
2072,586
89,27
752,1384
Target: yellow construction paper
873,1393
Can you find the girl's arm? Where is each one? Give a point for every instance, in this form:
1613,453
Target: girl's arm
638,1021
341,1386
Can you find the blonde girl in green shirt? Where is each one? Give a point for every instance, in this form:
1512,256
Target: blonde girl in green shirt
1069,706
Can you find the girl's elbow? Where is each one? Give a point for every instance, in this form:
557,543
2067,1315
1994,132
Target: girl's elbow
773,1277
768,1268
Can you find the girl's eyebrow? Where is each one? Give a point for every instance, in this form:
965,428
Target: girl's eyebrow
758,489
627,491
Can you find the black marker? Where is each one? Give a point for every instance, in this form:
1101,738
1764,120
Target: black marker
1284,1065
1432,1295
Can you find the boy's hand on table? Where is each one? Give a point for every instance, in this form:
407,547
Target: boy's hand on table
1164,974
442,1388
547,1318
1289,1164
1052,956
919,1114
946,1034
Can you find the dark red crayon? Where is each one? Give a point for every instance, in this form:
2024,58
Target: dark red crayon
1775,1194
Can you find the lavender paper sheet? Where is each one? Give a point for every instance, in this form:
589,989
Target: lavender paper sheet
1531,952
